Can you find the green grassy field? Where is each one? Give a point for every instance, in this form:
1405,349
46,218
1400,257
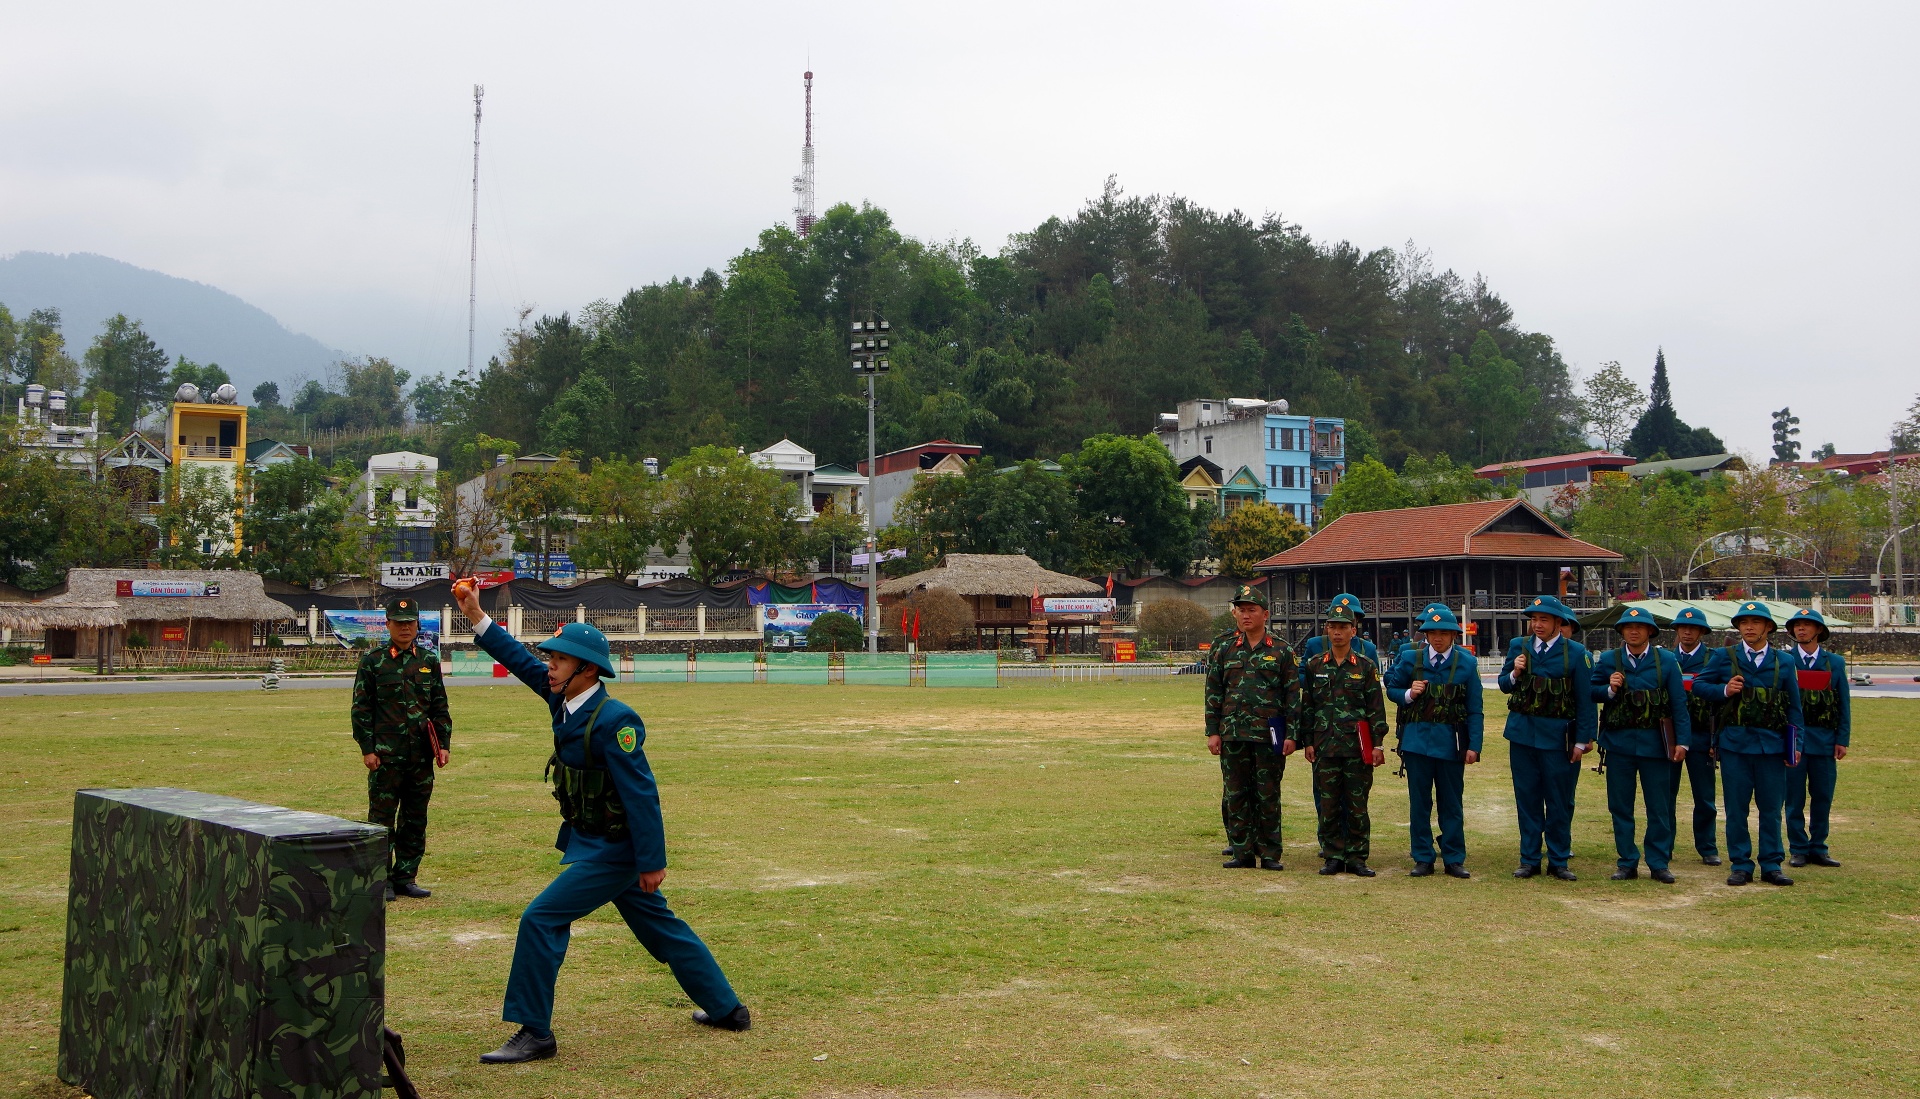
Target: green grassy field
1018,892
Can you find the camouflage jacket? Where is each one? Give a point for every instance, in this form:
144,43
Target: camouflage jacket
1338,697
395,694
1250,685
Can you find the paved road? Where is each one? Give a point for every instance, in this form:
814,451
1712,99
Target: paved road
178,686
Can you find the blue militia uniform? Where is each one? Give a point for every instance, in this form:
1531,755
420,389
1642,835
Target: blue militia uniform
600,870
1829,723
1434,753
1699,764
1635,753
1544,779
1753,765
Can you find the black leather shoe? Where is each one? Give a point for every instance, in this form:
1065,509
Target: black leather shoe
520,1048
389,893
1238,864
1562,873
411,889
1797,860
1226,850
1455,870
1710,860
1822,860
1271,864
1360,870
1421,870
1740,877
1775,877
1626,873
1526,870
737,1019
1663,875
1333,866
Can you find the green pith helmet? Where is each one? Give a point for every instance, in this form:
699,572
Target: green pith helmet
403,608
1753,608
1437,617
581,640
1813,616
1247,593
1547,604
1637,616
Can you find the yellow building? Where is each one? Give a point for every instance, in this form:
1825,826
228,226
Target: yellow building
211,436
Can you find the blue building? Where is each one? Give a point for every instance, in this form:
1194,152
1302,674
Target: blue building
1298,459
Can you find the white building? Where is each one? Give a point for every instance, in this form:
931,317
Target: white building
818,488
407,480
44,426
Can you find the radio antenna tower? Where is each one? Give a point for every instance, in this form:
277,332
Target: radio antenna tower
473,247
803,218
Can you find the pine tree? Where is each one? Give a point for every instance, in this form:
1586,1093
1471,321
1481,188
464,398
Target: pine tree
1661,433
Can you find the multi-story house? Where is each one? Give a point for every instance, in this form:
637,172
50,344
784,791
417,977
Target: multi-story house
1296,459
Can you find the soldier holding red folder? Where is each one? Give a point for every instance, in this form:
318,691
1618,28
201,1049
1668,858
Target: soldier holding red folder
1828,709
1342,714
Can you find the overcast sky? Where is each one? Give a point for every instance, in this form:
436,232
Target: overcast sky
1731,181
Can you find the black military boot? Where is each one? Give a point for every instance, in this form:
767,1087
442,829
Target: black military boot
1457,870
1562,873
1226,850
1775,877
387,893
1238,862
1797,861
1421,870
1740,877
411,889
522,1047
1333,866
1360,870
1821,860
1710,860
1663,875
1626,873
1271,864
1527,870
737,1019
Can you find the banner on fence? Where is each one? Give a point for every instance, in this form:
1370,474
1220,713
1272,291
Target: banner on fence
788,622
352,626
559,567
146,589
1076,606
405,574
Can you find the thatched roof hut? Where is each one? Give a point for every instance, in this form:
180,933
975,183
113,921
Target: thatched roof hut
192,620
52,615
990,574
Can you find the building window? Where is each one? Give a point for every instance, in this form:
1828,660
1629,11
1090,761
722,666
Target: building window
1286,477
413,498
1273,476
1209,442
1273,438
1286,438
1003,602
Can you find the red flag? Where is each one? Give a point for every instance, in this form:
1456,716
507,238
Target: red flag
1034,606
1109,585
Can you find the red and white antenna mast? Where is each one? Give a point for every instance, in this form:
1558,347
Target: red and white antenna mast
803,218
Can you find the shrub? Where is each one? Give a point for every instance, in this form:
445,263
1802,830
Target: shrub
1176,623
835,631
219,646
945,618
136,640
1224,623
274,641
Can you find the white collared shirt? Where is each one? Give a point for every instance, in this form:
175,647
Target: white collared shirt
1756,655
1808,658
573,704
1546,646
1684,651
1436,658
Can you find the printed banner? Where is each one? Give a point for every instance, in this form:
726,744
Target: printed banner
405,574
559,567
1077,605
144,589
860,559
352,626
790,620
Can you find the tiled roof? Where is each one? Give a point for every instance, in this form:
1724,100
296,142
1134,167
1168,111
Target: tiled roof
1558,461
1443,531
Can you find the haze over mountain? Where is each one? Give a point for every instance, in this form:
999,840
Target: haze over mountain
203,323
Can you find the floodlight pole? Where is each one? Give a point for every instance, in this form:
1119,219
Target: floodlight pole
873,537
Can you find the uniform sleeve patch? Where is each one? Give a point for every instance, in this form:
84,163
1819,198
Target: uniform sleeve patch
629,739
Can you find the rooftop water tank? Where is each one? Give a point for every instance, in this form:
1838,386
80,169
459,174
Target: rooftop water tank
57,401
226,394
187,394
36,395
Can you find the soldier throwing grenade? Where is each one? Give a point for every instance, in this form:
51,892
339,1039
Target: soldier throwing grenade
401,723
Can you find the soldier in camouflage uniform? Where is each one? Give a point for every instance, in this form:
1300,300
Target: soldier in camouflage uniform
401,723
1342,717
1253,697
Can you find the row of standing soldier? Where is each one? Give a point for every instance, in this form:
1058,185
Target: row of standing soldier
1772,721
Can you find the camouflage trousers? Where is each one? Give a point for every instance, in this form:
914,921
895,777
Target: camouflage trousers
1340,789
1250,797
397,794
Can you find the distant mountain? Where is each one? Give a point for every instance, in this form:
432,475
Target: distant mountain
188,318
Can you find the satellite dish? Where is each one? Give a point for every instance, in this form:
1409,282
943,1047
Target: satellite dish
226,394
187,394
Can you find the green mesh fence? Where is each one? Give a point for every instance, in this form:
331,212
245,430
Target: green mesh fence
723,668
797,668
963,670
669,668
877,669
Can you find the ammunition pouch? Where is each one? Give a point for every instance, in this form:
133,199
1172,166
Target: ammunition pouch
1758,708
1820,709
588,801
1543,697
1634,709
1440,704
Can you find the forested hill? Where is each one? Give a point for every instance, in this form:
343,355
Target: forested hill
1087,324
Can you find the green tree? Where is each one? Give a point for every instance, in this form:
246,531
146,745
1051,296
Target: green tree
125,362
624,510
196,518
41,355
731,513
1132,512
541,502
266,395
835,631
1786,448
1252,533
206,377
295,523
1660,430
1025,509
1437,480
1497,400
432,398
1369,486
32,491
1613,403
9,352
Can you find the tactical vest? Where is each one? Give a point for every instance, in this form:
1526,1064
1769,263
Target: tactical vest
1543,696
1820,709
1632,709
1756,707
588,800
1440,703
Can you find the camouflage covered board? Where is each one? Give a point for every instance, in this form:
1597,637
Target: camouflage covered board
217,948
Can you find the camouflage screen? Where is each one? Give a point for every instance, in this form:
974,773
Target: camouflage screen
217,948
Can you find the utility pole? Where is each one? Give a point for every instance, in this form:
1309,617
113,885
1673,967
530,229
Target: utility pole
473,246
870,343
1893,513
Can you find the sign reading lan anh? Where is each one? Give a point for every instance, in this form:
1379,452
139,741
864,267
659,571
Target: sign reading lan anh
405,574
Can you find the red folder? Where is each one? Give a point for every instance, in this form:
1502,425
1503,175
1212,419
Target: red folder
1365,729
1686,681
1814,681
